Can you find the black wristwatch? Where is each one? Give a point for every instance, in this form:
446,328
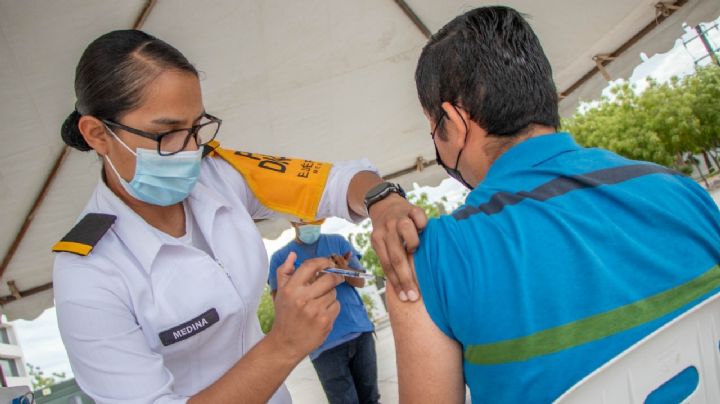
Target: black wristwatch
380,192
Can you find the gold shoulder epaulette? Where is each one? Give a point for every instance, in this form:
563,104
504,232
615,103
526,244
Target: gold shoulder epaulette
86,234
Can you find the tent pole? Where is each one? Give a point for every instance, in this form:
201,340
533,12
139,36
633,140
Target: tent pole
414,18
666,11
706,44
33,210
140,21
142,17
24,293
420,165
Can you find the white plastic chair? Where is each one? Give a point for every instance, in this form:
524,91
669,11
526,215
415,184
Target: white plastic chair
692,339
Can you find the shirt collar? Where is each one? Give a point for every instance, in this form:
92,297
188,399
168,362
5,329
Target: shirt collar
531,152
144,240
205,202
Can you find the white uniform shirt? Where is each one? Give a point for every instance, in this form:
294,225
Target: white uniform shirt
139,283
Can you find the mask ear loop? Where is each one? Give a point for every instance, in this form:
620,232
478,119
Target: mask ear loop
113,167
123,182
120,141
457,161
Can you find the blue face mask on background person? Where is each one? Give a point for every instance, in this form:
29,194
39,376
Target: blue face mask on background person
161,180
309,233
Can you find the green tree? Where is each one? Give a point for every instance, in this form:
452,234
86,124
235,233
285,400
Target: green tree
362,241
704,85
266,310
668,123
369,305
40,381
618,124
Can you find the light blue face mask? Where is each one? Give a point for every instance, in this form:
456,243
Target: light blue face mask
161,180
309,233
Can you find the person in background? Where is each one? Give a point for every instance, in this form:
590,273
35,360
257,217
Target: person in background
346,360
561,257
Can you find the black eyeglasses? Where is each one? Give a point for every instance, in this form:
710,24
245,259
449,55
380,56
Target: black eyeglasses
437,125
175,141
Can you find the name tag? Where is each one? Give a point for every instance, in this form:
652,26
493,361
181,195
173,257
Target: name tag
189,328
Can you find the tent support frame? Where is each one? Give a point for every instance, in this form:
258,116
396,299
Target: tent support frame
663,11
142,17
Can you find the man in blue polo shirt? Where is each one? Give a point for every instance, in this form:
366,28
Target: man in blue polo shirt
561,257
346,362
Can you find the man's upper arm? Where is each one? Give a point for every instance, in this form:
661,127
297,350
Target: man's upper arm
429,362
430,359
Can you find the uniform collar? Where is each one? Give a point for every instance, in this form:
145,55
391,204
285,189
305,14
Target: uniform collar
530,153
142,239
205,202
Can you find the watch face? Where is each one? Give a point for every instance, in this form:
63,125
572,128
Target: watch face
381,191
376,190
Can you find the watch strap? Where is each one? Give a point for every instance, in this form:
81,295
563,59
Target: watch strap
380,192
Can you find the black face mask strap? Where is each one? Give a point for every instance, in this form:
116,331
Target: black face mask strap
457,175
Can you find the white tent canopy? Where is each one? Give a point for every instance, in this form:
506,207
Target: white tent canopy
319,79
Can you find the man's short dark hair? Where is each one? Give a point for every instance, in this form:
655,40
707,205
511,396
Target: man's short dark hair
490,62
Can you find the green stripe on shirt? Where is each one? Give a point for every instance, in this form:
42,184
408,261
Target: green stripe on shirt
594,327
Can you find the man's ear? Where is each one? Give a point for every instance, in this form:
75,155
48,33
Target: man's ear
94,132
457,127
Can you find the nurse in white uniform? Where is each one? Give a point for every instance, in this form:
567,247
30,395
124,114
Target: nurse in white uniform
157,285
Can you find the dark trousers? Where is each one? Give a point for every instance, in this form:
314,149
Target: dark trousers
348,372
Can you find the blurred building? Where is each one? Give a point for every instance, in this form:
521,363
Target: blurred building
12,362
66,392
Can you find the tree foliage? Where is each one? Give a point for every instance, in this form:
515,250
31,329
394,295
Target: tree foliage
369,304
668,123
266,310
362,242
40,381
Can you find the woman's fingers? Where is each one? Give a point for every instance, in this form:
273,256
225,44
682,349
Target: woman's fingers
323,285
285,271
307,272
396,224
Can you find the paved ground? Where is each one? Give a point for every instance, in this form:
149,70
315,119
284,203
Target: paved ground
305,387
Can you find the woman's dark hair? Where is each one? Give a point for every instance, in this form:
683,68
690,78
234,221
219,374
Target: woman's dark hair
490,62
111,75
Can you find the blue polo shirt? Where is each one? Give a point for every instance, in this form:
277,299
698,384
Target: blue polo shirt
352,319
562,258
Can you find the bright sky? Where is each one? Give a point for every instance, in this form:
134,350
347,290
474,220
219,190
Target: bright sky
40,339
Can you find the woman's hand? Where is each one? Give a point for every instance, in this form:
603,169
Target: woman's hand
343,262
305,309
396,224
305,306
